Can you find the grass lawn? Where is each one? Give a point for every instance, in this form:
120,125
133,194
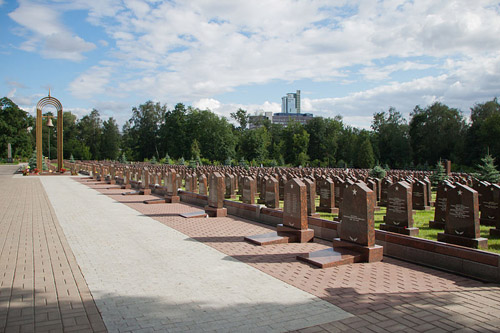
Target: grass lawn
421,220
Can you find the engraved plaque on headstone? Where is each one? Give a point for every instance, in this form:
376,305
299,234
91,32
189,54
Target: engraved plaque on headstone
217,190
399,216
358,221
462,218
295,206
272,193
249,188
202,180
441,203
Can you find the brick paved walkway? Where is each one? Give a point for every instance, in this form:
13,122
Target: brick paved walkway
41,286
139,285
145,275
390,296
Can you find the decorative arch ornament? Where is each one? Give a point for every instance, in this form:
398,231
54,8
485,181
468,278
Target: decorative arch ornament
49,100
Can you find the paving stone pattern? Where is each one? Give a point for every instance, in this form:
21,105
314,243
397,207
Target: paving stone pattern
389,296
41,286
147,276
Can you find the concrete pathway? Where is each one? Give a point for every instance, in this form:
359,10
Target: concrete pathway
145,275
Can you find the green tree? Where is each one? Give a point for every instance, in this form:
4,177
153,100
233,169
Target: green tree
144,129
391,136
253,144
487,171
484,131
214,134
110,140
242,117
439,174
323,138
296,143
195,150
89,133
365,158
72,143
437,131
14,124
174,132
378,172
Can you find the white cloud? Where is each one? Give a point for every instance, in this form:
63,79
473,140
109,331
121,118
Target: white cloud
402,53
92,83
47,34
203,48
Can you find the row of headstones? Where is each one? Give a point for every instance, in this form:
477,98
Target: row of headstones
330,191
401,199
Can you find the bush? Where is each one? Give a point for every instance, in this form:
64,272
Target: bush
378,172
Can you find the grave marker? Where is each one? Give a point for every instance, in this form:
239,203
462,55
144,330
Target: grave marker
462,218
215,207
399,216
357,232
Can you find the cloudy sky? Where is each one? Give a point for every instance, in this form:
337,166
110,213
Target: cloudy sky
349,58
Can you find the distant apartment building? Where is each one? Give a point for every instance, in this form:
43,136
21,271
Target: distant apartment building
255,121
291,103
290,110
285,118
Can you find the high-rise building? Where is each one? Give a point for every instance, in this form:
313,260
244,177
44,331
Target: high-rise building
291,103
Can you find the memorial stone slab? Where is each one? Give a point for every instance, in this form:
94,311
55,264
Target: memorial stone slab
327,196
419,195
272,193
462,218
490,208
311,197
356,231
215,207
171,195
399,216
249,188
440,206
202,184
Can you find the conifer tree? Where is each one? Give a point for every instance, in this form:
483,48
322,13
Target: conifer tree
487,171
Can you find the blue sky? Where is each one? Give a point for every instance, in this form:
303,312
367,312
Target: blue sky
348,58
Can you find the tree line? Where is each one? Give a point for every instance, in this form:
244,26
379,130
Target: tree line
186,133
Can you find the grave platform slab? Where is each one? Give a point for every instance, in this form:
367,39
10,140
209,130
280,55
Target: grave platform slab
399,230
193,215
476,243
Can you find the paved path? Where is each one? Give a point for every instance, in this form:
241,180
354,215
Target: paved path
147,269
389,296
145,275
41,286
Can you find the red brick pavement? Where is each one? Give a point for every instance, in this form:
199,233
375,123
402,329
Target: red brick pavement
389,296
41,286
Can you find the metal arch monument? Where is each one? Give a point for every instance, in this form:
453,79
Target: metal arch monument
49,100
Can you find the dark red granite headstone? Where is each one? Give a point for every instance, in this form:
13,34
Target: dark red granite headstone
490,205
249,188
215,207
327,196
440,206
202,184
462,218
399,216
419,196
272,193
356,231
